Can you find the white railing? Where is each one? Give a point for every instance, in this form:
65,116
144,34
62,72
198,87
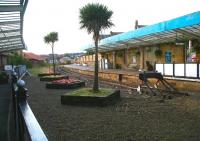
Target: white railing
186,70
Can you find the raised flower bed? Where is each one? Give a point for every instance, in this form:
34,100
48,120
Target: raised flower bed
86,97
65,83
52,77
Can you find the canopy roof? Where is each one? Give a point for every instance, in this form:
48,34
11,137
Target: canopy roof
11,24
179,29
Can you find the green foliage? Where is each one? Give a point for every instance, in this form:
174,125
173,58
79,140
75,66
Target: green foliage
19,60
3,74
118,66
51,37
158,53
95,17
137,53
120,54
89,52
196,46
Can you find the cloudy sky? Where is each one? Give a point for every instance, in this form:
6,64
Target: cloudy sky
62,16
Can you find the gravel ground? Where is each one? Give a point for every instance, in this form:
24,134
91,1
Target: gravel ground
134,118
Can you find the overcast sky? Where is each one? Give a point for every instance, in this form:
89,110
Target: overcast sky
62,16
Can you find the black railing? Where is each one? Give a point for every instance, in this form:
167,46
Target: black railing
26,126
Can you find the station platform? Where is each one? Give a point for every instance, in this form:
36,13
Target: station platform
130,77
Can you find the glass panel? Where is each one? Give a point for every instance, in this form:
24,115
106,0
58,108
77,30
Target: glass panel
159,68
179,69
199,70
191,70
168,69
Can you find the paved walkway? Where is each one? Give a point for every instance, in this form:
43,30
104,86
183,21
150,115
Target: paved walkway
5,91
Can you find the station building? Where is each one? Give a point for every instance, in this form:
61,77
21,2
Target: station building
172,41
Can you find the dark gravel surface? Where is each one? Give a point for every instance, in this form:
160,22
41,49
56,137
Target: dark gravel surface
134,118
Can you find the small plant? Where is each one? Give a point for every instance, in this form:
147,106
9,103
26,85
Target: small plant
196,46
137,53
158,53
3,78
148,49
118,66
120,54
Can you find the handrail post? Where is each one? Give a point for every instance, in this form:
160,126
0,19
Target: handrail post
198,69
173,68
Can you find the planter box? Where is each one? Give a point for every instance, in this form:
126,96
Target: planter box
74,85
46,74
91,100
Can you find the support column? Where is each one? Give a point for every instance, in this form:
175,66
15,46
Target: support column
141,57
126,57
114,60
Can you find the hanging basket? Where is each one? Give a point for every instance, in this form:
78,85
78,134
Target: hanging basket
137,53
158,53
196,45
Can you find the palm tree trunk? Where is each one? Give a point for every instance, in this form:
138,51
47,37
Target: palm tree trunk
54,67
96,68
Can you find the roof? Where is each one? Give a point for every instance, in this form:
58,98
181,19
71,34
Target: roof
11,24
182,28
32,56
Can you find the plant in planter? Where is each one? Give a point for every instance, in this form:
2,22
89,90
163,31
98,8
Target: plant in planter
118,66
158,53
137,53
52,77
87,97
148,49
3,78
120,54
65,83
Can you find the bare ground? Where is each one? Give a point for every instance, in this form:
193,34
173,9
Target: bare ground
134,118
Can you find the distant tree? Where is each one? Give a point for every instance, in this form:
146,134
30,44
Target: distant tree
94,18
16,59
51,38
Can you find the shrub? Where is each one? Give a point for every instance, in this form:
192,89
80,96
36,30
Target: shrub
19,60
158,53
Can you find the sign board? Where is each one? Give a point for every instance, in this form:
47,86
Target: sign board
168,57
8,67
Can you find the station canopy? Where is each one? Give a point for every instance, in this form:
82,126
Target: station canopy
178,30
11,25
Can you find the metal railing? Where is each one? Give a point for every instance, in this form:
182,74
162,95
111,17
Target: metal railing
26,126
183,70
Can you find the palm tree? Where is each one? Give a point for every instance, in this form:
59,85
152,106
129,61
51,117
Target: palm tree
51,38
94,18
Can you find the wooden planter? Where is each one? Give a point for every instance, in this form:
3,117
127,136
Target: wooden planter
91,100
